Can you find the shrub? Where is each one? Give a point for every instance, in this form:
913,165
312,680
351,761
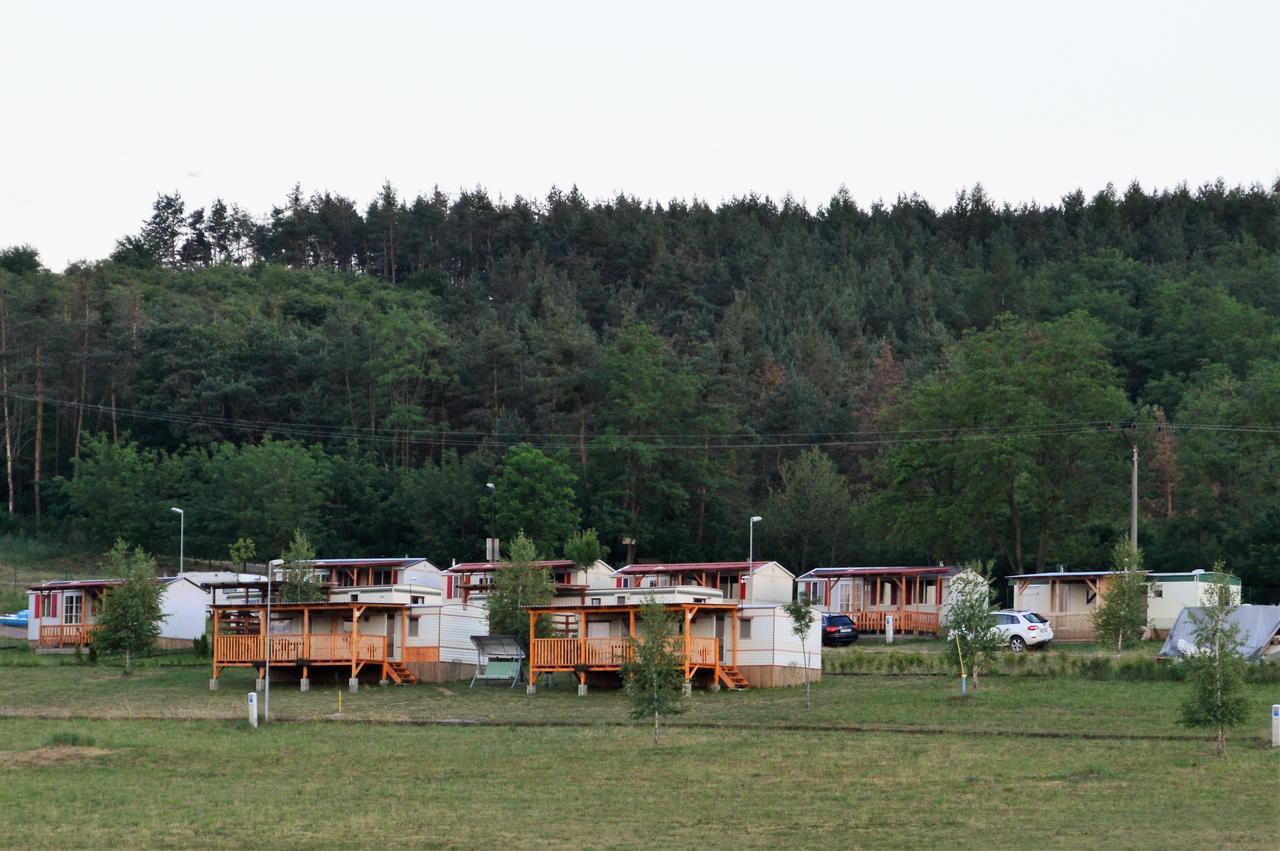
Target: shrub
69,739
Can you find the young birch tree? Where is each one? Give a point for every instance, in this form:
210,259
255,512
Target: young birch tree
1215,671
653,679
972,637
131,611
800,610
1122,612
299,558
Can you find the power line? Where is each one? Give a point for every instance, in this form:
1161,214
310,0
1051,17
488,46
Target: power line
623,442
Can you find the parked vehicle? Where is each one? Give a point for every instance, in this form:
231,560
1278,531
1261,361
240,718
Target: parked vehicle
838,630
1023,629
19,619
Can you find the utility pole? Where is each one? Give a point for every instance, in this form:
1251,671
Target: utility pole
1133,502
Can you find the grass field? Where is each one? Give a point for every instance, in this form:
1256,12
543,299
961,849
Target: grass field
972,772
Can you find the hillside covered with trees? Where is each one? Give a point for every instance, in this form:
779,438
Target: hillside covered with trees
893,383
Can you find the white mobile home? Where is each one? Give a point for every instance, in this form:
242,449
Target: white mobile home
65,613
1068,599
737,581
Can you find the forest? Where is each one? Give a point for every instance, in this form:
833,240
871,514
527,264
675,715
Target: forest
890,383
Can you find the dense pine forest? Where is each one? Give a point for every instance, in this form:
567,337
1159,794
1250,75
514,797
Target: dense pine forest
884,383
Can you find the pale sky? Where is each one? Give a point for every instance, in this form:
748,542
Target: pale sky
106,104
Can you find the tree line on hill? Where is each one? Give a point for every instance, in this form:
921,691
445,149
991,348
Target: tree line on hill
883,384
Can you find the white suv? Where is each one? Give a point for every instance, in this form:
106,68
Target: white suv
1023,629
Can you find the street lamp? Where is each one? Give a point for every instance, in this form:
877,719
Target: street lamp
182,535
491,551
751,555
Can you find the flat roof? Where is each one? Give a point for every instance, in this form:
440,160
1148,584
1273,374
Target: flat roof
873,570
695,567
627,607
365,562
297,607
489,566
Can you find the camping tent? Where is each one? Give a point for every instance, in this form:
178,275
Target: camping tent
1258,624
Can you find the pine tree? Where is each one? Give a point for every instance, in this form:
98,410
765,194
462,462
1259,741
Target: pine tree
1215,672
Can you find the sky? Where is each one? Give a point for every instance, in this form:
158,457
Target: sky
107,104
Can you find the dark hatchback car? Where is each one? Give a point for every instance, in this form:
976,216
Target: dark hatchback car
838,630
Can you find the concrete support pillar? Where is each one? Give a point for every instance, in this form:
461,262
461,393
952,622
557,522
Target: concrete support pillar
715,686
213,684
382,682
687,688
304,684
582,689
531,689
260,684
353,684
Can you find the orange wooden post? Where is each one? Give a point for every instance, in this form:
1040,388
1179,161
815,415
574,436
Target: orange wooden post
217,616
404,630
688,628
262,630
533,654
582,644
355,640
306,635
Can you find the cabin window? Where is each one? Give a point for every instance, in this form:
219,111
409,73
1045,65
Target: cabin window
71,612
416,599
413,626
622,601
382,576
595,601
744,628
355,597
1157,590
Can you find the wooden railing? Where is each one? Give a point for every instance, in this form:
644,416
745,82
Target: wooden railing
66,634
1077,626
905,620
613,652
290,647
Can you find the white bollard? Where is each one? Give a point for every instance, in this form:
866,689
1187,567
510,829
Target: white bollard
253,709
888,629
1275,725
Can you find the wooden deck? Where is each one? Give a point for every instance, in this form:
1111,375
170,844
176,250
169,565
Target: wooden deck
66,635
241,638
904,621
610,654
299,648
581,654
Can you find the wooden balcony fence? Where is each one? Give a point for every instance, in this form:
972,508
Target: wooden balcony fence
612,652
1076,626
66,634
904,620
320,648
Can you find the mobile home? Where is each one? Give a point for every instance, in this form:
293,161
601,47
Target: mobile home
65,613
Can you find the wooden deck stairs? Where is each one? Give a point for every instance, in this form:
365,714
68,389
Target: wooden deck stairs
400,673
733,679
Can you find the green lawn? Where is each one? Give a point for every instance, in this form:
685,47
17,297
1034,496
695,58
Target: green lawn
188,778
221,784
